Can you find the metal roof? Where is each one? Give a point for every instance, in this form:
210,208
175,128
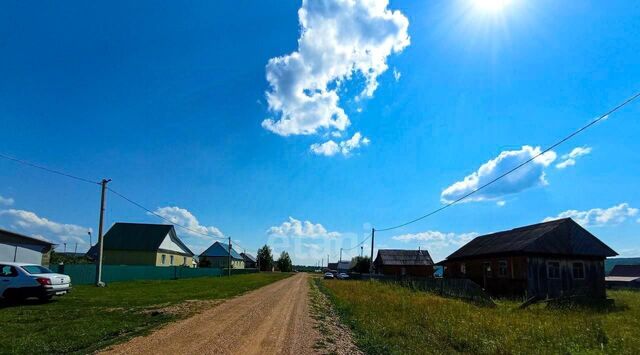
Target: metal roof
625,270
248,257
622,278
22,236
218,249
138,236
558,237
403,257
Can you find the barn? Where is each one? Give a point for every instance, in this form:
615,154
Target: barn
23,249
399,262
546,260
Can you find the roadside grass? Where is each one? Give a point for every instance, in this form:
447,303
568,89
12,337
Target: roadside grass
90,318
390,319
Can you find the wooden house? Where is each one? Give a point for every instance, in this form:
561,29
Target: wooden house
249,261
624,276
397,262
546,260
217,255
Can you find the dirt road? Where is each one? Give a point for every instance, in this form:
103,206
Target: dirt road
272,320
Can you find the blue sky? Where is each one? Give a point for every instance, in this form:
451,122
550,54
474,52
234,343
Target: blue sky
172,102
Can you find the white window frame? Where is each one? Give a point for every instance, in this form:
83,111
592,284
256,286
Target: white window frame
559,271
506,268
170,259
573,270
487,270
163,259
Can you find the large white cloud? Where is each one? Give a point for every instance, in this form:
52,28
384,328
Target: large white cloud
438,244
302,229
183,217
526,177
570,158
345,147
599,216
339,39
29,223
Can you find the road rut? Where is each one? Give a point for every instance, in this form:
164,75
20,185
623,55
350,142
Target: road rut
271,320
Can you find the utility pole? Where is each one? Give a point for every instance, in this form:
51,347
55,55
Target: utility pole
339,261
229,256
373,236
90,239
103,185
75,251
322,263
65,247
327,261
361,251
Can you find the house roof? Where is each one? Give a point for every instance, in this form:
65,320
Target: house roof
622,278
139,237
343,265
332,266
26,238
218,249
559,237
247,257
400,257
625,270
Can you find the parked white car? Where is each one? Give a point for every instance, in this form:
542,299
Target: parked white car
19,281
343,276
328,275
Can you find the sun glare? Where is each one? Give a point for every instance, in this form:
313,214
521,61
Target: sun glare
491,5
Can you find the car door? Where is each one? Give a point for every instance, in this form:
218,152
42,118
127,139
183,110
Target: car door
8,276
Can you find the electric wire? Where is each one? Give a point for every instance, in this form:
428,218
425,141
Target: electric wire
53,171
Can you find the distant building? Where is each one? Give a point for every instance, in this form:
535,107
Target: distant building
143,244
545,260
624,276
217,255
343,266
398,262
249,261
23,249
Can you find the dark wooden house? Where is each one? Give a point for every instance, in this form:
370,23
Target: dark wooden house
625,276
546,260
397,262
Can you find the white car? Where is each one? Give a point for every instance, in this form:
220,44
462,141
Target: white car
19,281
343,276
328,275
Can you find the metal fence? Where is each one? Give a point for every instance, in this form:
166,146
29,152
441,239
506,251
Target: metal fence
84,274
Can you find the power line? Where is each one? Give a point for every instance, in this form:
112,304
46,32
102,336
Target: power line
162,217
16,160
359,244
602,117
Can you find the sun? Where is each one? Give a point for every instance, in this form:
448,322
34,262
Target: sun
491,6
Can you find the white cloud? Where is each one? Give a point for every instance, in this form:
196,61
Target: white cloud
598,216
7,201
570,158
530,175
438,244
501,203
29,223
339,39
303,229
331,148
183,217
396,74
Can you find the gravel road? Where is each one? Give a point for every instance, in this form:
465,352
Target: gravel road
271,320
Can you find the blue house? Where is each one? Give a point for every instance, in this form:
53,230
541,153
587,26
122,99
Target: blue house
217,255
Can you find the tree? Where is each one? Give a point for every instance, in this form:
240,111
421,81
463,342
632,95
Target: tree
362,264
284,262
265,259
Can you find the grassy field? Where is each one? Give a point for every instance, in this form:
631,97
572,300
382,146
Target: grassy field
90,318
388,319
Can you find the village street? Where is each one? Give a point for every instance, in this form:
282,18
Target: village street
273,319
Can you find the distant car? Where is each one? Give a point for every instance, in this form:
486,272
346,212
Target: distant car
328,275
19,281
342,276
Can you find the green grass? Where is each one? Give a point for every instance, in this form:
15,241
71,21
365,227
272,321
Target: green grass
90,318
389,319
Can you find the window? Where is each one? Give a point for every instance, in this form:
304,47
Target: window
553,269
463,268
487,269
171,260
36,269
8,271
185,261
164,259
502,268
578,270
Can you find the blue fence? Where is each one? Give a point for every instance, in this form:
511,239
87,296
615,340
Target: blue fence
84,274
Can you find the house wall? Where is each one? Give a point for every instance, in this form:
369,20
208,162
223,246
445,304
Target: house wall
178,259
222,262
128,257
22,250
513,282
409,270
540,284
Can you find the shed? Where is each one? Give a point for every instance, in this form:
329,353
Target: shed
545,260
143,244
217,255
24,249
399,262
624,276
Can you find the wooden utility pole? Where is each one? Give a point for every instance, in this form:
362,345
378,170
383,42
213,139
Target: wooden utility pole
229,256
339,261
361,250
103,185
373,237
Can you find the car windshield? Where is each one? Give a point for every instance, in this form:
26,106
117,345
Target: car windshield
36,269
